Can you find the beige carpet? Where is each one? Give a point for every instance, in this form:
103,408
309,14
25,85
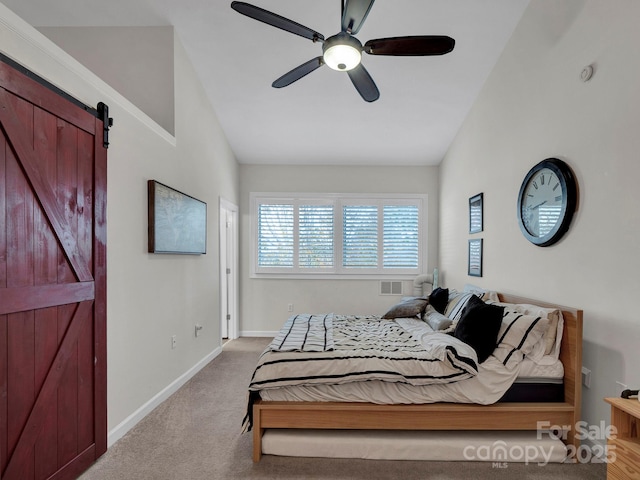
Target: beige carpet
195,435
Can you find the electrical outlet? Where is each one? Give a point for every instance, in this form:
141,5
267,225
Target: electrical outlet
290,307
586,377
173,341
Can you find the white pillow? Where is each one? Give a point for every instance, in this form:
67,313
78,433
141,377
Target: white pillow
484,295
518,337
436,320
553,336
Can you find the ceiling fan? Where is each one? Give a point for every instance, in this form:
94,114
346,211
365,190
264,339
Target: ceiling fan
343,51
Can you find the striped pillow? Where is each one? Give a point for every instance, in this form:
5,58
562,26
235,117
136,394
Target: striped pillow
456,304
519,334
553,335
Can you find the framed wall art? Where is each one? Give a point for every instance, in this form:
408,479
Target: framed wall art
177,221
475,257
476,224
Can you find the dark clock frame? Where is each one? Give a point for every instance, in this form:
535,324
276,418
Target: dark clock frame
569,202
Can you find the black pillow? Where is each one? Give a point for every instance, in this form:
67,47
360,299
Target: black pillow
439,298
479,326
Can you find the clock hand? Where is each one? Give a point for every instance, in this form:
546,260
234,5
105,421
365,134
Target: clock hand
539,205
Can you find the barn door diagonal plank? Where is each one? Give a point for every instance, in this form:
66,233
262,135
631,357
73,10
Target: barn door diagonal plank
22,450
27,157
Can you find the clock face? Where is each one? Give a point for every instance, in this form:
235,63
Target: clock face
546,202
542,202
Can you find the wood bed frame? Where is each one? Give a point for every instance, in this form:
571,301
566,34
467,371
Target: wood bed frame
441,416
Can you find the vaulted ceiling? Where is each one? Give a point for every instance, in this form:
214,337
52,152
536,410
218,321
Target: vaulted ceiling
321,118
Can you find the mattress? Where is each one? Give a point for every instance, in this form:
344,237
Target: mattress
500,446
532,382
547,370
524,390
536,391
537,382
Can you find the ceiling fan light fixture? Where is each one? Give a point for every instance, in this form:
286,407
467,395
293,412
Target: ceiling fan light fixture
342,52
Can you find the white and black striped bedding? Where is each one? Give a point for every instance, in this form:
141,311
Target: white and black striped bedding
309,333
367,348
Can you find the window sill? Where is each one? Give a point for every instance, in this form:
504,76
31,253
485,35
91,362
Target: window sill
333,276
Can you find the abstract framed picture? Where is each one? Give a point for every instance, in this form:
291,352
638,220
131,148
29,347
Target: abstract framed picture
177,221
475,257
475,214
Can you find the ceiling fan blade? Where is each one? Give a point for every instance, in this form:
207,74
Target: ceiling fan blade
364,83
275,20
410,46
354,14
298,72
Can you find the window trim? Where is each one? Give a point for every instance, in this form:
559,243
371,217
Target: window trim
337,272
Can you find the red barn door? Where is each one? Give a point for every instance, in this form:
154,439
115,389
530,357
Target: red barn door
52,282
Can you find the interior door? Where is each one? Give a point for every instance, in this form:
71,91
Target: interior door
53,420
228,270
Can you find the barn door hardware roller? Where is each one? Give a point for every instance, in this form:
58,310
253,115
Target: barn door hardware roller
107,122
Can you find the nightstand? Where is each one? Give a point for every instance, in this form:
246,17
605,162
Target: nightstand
625,417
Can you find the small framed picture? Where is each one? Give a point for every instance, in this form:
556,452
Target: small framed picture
475,214
475,257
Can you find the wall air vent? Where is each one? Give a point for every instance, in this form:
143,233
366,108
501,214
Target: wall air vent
390,287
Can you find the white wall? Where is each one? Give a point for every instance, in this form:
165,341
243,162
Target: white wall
264,302
150,297
114,54
534,106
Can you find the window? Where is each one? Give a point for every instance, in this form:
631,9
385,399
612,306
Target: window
360,236
275,236
337,235
315,236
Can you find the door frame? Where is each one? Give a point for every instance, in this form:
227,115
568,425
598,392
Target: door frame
229,261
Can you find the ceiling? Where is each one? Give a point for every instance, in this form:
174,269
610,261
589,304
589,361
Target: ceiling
320,119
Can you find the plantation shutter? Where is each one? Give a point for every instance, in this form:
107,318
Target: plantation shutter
315,225
329,234
400,236
275,235
360,236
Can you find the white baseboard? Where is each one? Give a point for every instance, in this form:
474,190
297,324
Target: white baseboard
257,333
128,423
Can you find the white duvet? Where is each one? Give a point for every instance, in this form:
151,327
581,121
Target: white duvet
487,387
365,349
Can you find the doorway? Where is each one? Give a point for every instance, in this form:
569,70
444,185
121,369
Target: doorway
228,270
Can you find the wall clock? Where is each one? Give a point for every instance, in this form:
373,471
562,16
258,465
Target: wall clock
546,202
